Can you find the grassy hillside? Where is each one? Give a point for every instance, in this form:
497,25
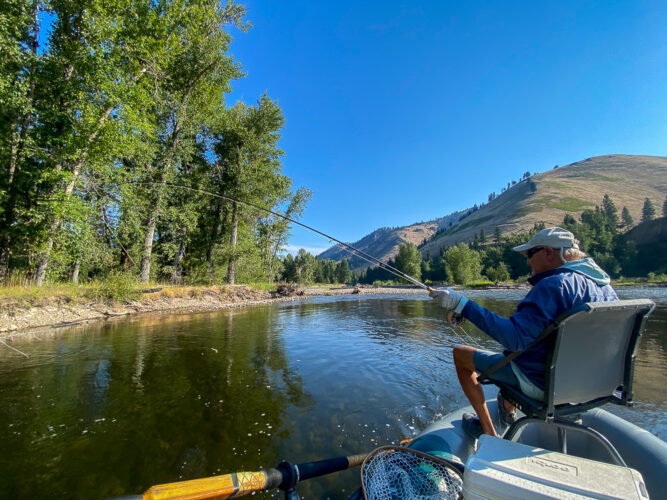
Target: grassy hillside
549,196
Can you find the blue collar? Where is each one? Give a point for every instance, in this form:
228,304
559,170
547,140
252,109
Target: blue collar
533,280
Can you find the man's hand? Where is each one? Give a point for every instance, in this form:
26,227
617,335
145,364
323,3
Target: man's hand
446,297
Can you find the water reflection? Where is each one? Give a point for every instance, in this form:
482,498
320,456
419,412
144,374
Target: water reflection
145,402
115,408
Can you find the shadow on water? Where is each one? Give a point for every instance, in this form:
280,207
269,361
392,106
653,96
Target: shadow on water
112,409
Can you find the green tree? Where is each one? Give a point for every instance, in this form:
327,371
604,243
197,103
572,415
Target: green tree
664,207
273,232
343,272
497,236
626,218
498,274
304,266
462,264
610,213
188,95
648,211
409,260
19,70
249,164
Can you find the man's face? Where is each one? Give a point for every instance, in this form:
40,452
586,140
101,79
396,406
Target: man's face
543,259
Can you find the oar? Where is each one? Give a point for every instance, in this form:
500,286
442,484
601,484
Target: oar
237,484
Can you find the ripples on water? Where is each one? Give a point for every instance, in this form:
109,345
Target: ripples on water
114,408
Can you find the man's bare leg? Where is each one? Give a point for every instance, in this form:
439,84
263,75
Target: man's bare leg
465,369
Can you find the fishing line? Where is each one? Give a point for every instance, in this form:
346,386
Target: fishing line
354,251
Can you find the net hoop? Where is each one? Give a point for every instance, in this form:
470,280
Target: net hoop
395,472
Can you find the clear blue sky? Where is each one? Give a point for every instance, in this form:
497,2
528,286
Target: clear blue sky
401,111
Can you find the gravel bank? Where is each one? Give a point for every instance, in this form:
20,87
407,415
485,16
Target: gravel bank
17,318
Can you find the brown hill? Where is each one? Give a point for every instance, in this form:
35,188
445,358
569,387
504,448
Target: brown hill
546,197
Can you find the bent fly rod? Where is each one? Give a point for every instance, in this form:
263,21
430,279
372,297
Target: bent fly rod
455,320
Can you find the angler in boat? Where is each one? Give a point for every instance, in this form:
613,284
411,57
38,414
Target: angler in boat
563,278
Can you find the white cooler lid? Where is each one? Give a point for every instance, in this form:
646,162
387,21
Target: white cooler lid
503,469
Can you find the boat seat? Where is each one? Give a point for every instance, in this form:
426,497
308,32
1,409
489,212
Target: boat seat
590,363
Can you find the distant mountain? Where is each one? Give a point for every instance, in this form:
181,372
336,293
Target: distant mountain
546,197
383,243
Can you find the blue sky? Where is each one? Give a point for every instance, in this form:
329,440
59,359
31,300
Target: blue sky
402,111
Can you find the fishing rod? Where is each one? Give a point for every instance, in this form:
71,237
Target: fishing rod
455,320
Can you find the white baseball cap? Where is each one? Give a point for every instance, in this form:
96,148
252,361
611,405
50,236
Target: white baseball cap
554,237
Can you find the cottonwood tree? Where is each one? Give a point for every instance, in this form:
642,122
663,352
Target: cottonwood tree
462,264
248,168
93,63
273,232
187,93
409,260
19,73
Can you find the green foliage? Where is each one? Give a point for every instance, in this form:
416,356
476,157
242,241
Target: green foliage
497,236
409,260
343,272
626,218
305,268
462,264
498,274
648,211
115,140
116,287
611,213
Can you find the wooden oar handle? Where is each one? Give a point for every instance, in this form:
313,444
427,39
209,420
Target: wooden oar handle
242,483
219,487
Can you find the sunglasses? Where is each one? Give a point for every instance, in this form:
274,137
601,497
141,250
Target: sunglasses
533,251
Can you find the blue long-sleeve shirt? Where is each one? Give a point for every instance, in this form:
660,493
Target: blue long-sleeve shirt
553,293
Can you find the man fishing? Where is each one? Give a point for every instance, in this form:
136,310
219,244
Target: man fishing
562,278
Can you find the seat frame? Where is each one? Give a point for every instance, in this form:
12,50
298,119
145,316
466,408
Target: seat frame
548,412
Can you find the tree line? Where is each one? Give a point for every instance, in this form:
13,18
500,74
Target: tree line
117,146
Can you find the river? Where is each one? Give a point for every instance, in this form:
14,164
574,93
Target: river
116,407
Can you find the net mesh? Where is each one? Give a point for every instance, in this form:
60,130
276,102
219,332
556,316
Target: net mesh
392,473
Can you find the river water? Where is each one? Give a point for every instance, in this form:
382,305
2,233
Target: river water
114,408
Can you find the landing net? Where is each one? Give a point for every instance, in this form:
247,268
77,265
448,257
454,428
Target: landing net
393,473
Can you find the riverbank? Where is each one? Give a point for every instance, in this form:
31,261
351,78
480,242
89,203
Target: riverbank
29,310
21,315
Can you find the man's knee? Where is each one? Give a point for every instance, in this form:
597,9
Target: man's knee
463,357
